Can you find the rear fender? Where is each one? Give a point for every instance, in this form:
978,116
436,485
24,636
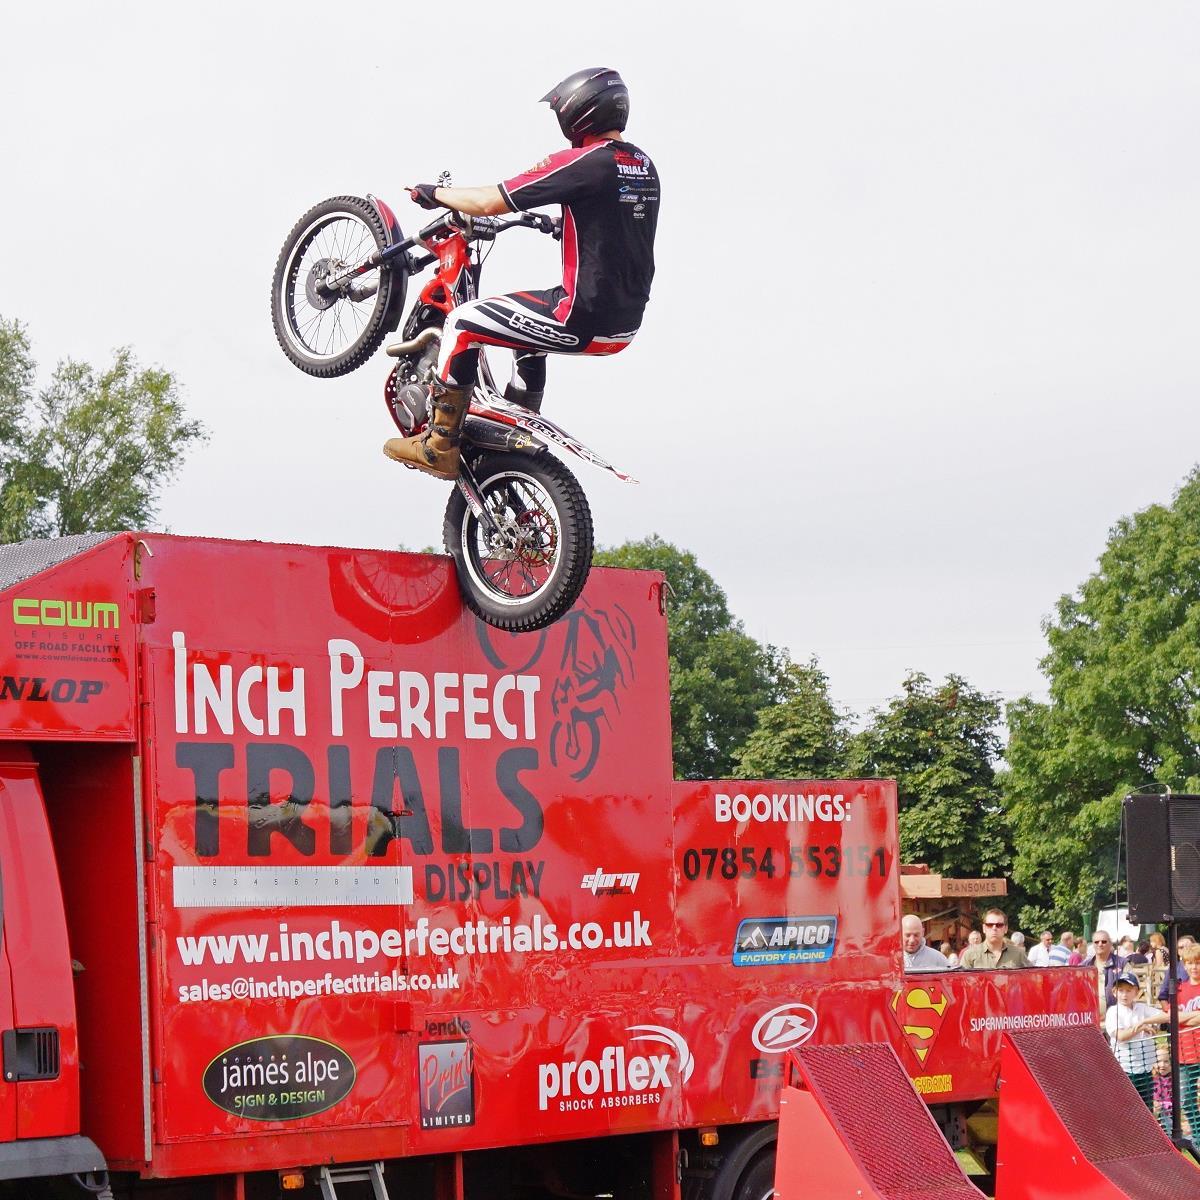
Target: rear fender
546,432
537,431
393,234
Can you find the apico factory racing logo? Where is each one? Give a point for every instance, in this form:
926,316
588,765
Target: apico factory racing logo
771,941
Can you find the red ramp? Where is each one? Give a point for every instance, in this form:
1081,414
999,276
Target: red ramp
859,1131
1073,1126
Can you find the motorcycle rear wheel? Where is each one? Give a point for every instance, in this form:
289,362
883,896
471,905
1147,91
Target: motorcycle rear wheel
325,333
533,572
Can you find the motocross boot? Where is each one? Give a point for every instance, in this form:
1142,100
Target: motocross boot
529,400
435,451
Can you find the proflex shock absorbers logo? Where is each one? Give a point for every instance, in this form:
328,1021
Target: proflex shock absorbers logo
616,1078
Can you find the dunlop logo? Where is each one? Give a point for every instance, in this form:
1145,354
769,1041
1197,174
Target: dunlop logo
74,614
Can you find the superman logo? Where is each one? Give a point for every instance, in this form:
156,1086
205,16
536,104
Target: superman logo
920,1010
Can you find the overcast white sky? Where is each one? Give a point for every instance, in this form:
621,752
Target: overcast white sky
925,318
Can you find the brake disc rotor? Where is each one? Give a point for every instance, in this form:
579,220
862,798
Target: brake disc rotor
315,291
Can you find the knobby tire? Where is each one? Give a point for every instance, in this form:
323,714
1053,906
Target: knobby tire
373,334
574,519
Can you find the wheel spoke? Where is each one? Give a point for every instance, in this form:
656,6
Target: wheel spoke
519,562
342,239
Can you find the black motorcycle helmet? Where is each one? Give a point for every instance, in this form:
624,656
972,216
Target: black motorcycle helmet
593,100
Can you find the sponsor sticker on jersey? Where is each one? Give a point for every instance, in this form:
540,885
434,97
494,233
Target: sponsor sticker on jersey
773,941
636,165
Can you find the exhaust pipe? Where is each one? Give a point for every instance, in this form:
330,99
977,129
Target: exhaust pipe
400,349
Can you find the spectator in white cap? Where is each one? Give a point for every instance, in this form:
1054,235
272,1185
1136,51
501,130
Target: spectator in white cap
1131,1025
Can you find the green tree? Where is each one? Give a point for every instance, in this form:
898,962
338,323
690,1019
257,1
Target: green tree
804,736
92,449
941,744
720,676
1124,710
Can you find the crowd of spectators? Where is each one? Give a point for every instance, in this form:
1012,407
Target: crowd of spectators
1127,983
994,947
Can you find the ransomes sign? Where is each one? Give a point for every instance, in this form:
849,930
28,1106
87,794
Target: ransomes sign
75,614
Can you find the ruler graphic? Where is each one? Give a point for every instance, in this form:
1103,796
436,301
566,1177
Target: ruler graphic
291,887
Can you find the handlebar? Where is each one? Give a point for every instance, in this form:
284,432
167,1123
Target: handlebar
475,229
483,229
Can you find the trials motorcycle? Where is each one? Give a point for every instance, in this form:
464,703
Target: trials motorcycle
517,525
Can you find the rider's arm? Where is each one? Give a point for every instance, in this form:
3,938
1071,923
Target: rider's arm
477,201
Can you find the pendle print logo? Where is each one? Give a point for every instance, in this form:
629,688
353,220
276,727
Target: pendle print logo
446,1079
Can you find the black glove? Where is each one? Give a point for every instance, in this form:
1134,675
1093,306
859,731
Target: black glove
422,194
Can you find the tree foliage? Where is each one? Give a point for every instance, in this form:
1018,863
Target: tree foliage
803,736
940,743
720,676
1124,710
92,449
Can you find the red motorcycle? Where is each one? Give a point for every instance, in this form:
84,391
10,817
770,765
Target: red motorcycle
518,525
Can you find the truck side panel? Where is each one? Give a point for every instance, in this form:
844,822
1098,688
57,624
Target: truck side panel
377,881
90,796
383,836
67,635
754,866
37,951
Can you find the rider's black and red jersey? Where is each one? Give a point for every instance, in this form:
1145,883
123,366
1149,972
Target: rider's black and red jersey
609,195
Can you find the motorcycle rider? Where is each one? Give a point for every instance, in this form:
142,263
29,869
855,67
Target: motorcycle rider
609,192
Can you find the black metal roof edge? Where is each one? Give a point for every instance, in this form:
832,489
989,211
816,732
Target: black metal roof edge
22,560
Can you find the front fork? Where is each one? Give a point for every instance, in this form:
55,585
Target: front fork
469,486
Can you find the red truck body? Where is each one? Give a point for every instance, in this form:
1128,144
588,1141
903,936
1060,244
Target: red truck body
352,876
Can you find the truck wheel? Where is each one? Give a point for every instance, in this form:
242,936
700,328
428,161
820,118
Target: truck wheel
758,1179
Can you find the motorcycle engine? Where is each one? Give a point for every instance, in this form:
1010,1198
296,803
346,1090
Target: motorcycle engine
407,393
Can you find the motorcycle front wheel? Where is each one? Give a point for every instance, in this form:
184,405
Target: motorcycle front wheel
328,332
530,570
